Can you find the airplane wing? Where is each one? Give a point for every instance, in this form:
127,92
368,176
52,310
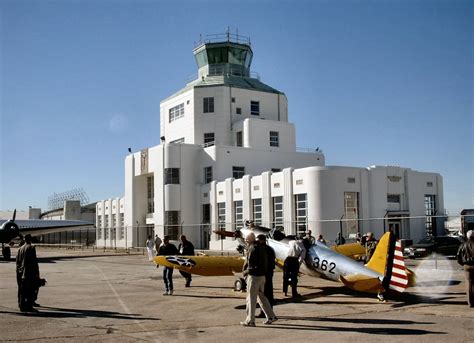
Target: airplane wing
352,250
37,227
203,265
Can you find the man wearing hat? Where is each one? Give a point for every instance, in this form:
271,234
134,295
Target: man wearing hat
254,269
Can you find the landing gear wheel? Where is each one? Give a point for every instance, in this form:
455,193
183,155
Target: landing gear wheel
6,252
240,285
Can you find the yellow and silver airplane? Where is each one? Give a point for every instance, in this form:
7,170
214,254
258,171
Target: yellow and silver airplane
385,270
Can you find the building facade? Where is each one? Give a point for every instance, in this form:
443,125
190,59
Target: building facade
228,153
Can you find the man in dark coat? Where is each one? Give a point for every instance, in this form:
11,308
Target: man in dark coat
186,248
166,249
268,290
465,258
27,272
254,269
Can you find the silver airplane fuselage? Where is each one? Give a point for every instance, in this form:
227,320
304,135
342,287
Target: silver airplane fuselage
320,260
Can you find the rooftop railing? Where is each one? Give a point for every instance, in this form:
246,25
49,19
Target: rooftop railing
214,72
223,37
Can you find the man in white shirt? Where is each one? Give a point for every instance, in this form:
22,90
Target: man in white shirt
296,255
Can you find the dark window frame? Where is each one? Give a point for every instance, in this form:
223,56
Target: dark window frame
255,108
208,104
274,139
238,172
172,176
208,174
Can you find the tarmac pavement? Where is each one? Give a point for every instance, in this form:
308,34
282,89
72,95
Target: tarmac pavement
118,297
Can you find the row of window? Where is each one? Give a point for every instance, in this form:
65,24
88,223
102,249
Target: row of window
209,139
177,112
114,220
301,209
172,177
111,233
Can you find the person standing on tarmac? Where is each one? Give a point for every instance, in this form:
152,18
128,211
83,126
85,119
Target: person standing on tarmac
268,289
296,255
254,269
186,248
465,257
27,271
149,248
168,248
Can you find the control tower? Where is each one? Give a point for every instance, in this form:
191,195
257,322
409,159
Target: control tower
213,107
228,55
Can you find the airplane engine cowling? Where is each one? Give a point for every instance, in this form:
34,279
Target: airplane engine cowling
9,231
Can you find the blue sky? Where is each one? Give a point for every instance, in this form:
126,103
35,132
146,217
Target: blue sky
369,82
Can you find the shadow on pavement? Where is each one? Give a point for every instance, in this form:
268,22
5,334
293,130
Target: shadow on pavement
367,330
57,312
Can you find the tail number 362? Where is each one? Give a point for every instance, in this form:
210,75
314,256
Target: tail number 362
324,265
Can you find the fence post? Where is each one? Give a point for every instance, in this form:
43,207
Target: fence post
340,225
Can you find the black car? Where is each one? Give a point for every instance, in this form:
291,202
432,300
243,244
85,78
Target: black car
444,245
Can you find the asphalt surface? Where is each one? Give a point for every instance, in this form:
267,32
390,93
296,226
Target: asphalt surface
118,297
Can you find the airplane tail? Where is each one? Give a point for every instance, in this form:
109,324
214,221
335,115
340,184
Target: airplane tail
388,261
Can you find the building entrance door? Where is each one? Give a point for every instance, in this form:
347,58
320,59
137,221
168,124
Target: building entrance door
394,226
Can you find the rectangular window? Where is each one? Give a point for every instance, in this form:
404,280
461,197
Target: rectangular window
150,185
351,212
276,170
238,172
208,105
206,213
430,210
238,138
176,112
238,214
209,139
300,213
278,212
257,211
255,108
233,99
207,174
274,139
393,198
122,228
178,141
172,224
238,110
172,176
221,216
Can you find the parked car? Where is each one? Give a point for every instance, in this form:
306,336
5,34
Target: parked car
444,245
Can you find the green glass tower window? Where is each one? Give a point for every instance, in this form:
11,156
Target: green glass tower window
201,58
217,55
237,56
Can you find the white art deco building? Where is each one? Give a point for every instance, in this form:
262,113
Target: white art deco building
228,153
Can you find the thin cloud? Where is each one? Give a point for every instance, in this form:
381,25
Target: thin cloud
118,123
